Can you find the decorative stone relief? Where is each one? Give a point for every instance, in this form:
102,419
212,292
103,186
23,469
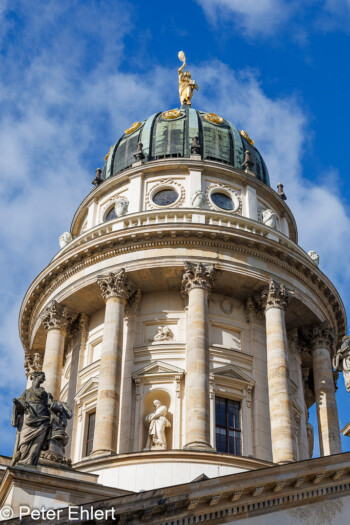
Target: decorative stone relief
269,218
319,513
65,239
314,257
57,316
197,275
236,199
254,310
341,361
276,295
163,334
198,199
116,285
157,425
121,206
226,306
165,184
106,206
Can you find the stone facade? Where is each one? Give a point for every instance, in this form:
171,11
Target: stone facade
189,305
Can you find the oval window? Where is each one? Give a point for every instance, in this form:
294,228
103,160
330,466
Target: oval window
165,197
221,200
110,215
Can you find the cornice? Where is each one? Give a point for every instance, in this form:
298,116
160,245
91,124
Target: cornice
287,256
230,497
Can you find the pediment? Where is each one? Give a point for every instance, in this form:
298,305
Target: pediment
158,368
90,385
232,372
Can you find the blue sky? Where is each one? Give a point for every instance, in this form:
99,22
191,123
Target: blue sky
75,74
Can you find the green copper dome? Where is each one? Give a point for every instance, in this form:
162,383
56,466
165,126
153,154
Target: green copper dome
169,134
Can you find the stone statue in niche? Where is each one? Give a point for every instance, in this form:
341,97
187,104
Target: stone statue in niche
32,417
65,239
157,425
269,218
314,257
341,361
121,206
60,414
163,334
198,199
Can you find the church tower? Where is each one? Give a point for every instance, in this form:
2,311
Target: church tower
180,321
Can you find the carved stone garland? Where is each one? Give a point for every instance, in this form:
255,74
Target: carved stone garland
227,188
165,184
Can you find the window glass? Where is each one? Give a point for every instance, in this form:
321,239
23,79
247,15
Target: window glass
110,215
90,433
228,426
221,200
165,197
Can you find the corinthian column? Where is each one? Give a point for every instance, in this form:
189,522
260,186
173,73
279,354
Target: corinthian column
116,289
196,284
56,319
326,406
275,299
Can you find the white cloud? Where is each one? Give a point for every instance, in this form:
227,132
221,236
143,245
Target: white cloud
266,17
253,17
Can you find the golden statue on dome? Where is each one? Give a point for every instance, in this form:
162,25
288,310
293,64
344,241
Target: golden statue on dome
186,84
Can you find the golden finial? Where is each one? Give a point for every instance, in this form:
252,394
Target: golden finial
246,136
186,84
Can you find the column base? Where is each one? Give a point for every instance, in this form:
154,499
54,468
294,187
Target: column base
101,453
200,446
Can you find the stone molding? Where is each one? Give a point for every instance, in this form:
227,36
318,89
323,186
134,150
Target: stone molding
57,315
236,198
238,496
197,275
39,292
116,285
276,296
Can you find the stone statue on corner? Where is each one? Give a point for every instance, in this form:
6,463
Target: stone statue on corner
41,426
341,361
157,425
60,413
31,416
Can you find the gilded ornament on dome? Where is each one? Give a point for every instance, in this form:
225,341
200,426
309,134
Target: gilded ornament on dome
215,119
108,154
247,137
186,84
171,114
132,128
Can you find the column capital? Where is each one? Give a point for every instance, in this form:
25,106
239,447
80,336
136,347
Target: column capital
197,275
57,315
322,335
276,295
116,285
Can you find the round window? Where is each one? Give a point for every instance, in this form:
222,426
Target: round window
111,215
221,200
165,197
